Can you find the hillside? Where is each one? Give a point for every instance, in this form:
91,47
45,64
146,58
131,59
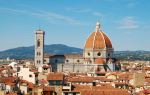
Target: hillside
28,52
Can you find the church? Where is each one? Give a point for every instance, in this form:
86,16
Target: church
97,55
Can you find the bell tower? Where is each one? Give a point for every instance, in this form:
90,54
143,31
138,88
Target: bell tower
39,48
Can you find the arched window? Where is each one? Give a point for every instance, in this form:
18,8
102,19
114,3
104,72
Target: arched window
38,43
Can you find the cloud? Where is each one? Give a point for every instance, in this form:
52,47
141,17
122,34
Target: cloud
98,14
50,16
128,22
77,10
89,11
58,17
130,5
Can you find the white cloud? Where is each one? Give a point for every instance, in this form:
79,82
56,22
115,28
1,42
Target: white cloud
77,10
89,11
132,4
128,22
51,16
98,14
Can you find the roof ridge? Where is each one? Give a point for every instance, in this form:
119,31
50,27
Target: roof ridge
94,40
103,38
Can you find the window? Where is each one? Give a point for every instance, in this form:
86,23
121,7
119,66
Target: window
67,60
38,43
108,54
78,61
98,54
37,53
56,61
30,76
88,54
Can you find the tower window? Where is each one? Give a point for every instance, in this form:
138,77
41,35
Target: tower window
99,54
108,54
38,43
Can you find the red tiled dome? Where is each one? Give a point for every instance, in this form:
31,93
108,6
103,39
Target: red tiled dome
98,40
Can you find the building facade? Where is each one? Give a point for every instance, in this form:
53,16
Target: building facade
97,55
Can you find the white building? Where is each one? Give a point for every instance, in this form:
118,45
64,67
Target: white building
26,74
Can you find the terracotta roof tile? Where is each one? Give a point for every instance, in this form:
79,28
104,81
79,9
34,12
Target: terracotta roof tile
99,90
55,76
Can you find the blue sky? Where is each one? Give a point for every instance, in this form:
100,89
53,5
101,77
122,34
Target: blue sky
70,22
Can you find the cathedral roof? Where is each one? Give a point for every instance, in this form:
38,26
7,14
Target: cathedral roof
98,40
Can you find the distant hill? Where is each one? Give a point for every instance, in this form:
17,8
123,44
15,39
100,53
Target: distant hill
28,52
133,55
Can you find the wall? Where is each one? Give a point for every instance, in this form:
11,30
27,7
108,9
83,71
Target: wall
83,68
24,73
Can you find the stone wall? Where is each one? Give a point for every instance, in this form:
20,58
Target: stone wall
82,68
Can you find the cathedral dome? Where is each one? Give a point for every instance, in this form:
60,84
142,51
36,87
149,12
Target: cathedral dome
98,40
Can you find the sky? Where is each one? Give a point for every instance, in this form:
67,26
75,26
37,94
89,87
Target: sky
70,22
